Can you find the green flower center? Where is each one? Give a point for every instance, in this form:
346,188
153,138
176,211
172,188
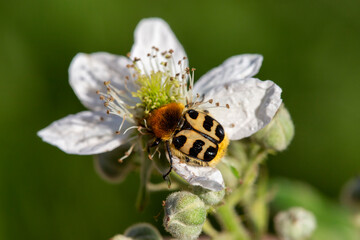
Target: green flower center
157,89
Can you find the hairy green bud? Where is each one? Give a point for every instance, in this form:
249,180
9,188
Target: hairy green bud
350,195
209,197
120,237
295,224
140,231
143,231
185,215
278,134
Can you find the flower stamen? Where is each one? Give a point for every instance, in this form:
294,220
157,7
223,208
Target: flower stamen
127,153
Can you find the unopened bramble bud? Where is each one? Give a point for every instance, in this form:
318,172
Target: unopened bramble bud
278,134
295,224
209,197
185,214
350,195
140,231
143,231
120,237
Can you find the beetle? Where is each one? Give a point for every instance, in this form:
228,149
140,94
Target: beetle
192,135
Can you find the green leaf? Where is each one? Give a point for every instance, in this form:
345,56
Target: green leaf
235,172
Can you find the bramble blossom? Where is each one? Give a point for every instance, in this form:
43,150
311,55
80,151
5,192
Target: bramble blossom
156,73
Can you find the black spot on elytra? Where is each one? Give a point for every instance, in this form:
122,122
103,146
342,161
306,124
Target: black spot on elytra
196,148
210,153
219,132
208,123
193,114
179,141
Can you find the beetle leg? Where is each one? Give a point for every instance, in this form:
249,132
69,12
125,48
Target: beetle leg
170,159
154,144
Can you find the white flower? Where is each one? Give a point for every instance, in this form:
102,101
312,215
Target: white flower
246,104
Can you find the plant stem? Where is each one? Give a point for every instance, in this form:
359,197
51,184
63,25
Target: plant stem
145,171
231,222
249,178
210,230
226,213
163,186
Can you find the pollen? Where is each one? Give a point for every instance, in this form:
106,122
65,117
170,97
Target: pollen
159,85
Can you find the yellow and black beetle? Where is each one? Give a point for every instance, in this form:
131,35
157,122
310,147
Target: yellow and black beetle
189,134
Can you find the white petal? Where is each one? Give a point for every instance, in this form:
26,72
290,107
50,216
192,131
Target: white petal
85,133
206,177
155,32
88,72
234,68
253,103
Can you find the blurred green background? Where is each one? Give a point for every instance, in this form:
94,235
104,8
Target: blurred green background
311,49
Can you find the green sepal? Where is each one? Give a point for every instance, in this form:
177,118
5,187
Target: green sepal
110,168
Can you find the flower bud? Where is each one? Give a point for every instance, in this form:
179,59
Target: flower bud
143,231
185,215
278,134
209,197
295,224
120,237
350,195
140,231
